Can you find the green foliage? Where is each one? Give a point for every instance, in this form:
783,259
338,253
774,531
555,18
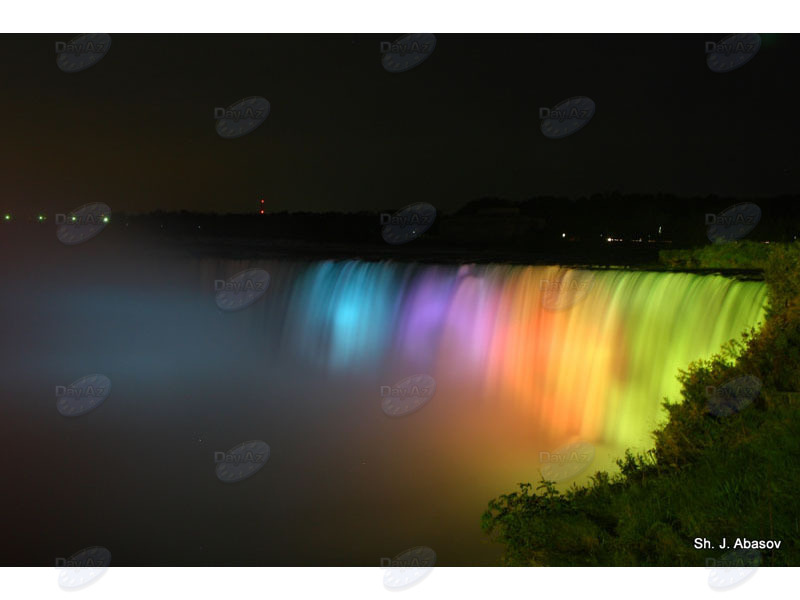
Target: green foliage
742,254
782,274
706,476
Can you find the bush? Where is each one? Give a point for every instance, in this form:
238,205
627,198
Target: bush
732,255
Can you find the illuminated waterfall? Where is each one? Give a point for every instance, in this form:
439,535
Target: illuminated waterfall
582,354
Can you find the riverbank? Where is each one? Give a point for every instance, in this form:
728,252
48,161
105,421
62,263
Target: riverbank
721,465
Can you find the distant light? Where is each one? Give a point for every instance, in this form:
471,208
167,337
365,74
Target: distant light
659,229
41,217
262,211
7,217
262,201
105,219
608,239
563,235
74,218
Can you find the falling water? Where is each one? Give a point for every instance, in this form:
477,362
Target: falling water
586,354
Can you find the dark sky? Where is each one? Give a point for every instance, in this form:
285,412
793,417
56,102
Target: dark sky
137,129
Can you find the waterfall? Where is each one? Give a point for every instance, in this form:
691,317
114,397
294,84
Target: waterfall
588,354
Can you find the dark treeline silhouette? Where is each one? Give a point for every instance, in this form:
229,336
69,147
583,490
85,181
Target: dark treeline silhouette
543,222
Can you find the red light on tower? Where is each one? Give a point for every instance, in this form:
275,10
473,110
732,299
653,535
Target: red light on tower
262,211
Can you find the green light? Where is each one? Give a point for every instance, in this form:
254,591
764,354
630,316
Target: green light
74,219
7,217
105,219
41,217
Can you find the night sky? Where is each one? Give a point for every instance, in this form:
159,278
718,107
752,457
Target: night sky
137,129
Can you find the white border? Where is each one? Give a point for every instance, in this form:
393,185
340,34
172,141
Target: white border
401,16
354,583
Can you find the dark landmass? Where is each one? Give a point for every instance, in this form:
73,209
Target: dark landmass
605,230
